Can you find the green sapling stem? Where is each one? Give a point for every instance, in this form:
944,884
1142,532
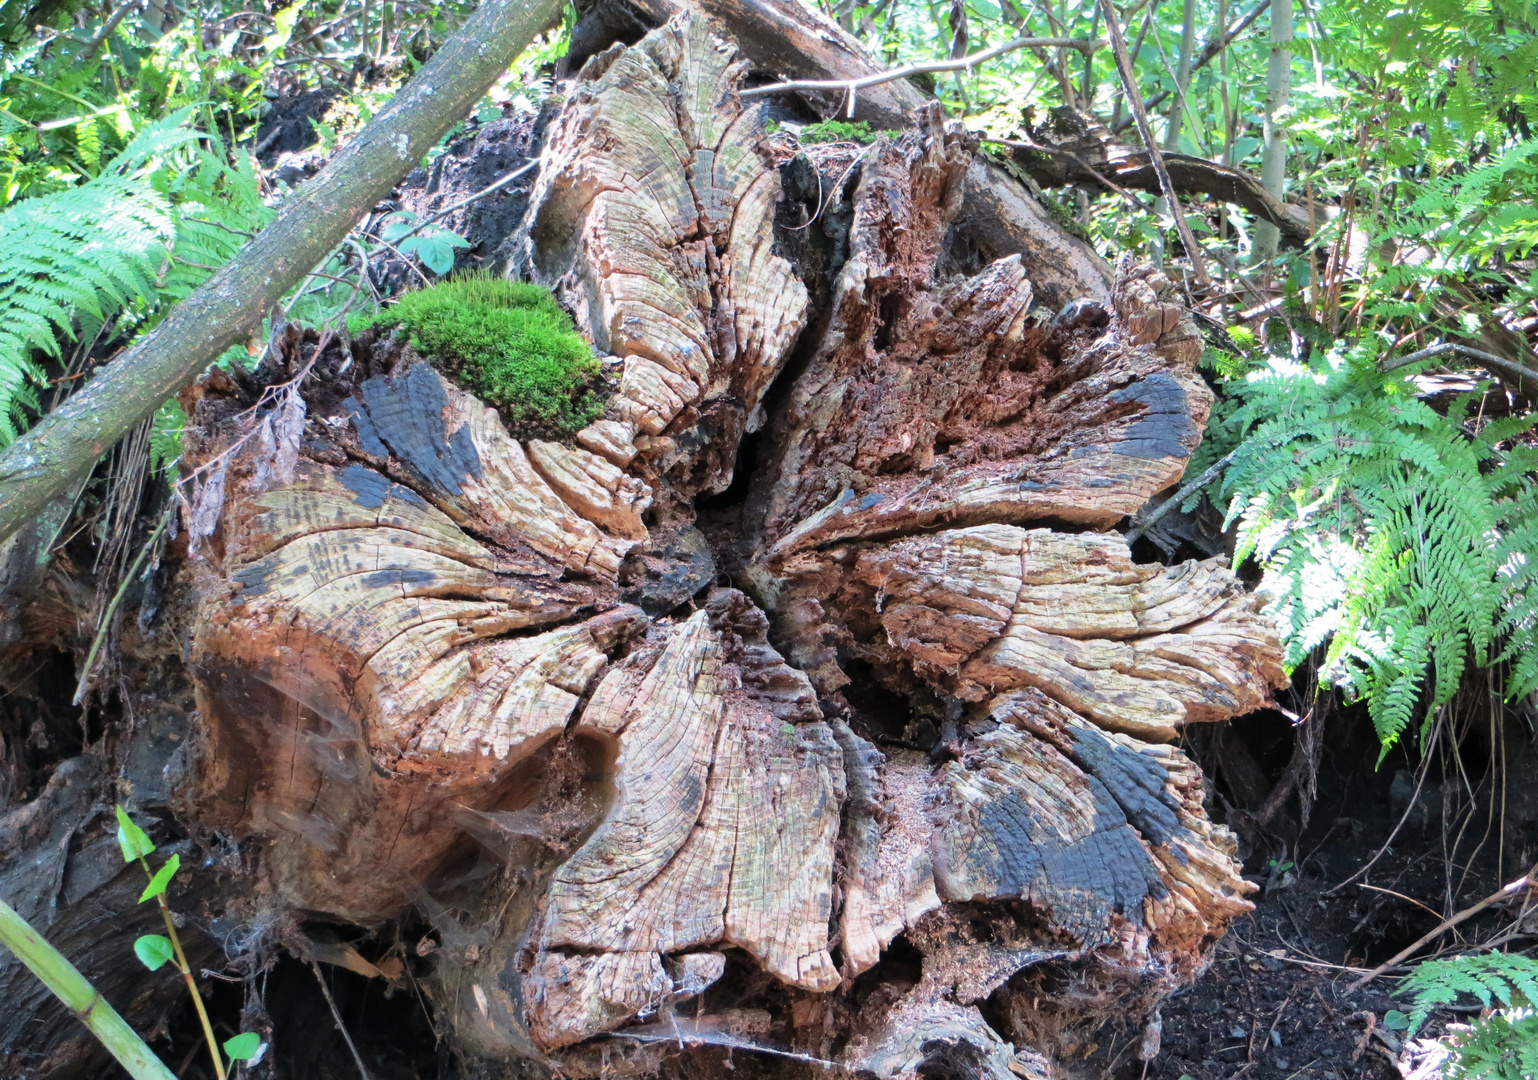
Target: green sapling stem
82,999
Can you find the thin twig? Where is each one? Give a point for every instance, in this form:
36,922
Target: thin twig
960,63
117,599
1185,492
337,1016
1503,893
1510,368
1212,49
1135,101
106,31
396,251
481,194
1410,899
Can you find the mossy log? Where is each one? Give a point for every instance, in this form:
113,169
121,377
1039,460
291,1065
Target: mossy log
674,677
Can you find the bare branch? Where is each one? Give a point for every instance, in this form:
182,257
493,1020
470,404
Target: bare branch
1505,892
1135,100
1525,378
961,63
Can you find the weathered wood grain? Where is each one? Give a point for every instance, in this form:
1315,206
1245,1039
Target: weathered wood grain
413,637
652,219
723,824
1137,648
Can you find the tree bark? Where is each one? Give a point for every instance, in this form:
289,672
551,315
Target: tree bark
1273,162
229,308
1182,77
820,637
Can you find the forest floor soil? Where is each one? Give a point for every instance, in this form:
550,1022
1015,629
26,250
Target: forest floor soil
1277,1001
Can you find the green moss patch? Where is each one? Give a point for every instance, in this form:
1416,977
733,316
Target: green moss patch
507,342
832,131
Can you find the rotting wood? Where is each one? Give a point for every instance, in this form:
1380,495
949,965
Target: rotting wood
998,216
418,643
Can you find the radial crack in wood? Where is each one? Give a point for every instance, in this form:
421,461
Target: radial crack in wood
397,667
722,829
1137,648
651,218
1102,835
455,450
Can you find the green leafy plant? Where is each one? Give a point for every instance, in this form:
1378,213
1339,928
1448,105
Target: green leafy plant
435,246
1390,534
64,980
85,251
115,251
155,950
507,342
1501,1044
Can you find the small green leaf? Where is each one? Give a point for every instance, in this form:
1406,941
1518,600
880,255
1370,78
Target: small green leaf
435,255
153,950
1395,1020
244,1046
435,249
161,879
132,839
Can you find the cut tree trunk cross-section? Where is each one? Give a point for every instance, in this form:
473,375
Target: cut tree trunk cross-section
816,639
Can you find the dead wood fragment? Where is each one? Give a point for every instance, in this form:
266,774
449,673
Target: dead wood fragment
722,830
651,219
418,646
1137,648
1074,150
932,403
926,1035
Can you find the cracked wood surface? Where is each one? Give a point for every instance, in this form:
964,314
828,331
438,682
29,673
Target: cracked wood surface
952,403
414,643
1137,648
651,220
721,831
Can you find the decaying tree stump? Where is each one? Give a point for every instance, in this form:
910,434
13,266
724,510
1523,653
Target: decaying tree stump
817,638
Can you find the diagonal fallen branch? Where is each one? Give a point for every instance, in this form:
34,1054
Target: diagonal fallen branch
1135,100
1087,46
228,308
1525,378
1505,892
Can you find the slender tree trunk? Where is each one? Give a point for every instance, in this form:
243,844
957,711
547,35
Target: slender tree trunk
1182,76
1273,164
228,309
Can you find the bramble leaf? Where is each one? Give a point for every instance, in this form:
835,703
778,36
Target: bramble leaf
162,879
133,840
153,950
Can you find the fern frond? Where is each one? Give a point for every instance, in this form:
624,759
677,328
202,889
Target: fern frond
85,250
